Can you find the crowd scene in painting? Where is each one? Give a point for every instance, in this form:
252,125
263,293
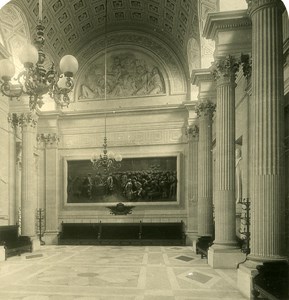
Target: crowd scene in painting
132,186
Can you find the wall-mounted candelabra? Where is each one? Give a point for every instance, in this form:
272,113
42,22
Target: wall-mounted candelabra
245,225
40,224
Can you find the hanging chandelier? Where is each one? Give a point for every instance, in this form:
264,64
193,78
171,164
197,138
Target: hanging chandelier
106,161
35,81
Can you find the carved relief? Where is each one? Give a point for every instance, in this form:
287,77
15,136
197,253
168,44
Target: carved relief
205,108
128,74
177,82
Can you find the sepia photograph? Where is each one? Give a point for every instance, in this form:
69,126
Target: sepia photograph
144,149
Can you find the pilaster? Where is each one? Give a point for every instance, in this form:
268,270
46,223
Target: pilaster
192,133
50,141
4,161
12,169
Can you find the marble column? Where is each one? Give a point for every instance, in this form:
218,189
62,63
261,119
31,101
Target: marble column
267,192
205,110
267,151
28,122
225,253
51,183
192,133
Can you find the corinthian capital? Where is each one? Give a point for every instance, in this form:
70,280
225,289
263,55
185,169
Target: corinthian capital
225,68
205,108
13,119
28,120
48,138
192,131
254,5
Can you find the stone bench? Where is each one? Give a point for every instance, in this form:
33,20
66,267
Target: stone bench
272,281
13,243
122,233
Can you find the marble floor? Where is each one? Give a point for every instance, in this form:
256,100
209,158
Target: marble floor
114,272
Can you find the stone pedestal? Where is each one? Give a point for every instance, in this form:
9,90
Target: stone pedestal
225,257
35,244
50,237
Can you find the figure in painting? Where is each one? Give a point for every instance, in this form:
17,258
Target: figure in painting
87,186
109,184
128,190
238,188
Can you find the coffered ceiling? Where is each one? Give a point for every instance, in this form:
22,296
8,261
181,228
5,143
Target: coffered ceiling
72,24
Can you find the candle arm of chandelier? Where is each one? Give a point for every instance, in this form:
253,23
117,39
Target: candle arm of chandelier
35,81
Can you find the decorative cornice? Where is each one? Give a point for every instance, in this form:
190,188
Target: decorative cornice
224,21
200,75
225,68
205,108
255,5
192,131
48,138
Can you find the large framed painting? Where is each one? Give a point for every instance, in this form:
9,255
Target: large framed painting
137,180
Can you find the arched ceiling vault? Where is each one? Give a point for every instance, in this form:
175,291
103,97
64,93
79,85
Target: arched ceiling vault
71,25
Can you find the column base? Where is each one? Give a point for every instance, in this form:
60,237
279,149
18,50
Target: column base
225,258
2,253
191,239
51,238
35,244
245,274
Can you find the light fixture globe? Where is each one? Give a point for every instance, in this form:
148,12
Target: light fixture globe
7,69
68,65
110,155
118,157
29,56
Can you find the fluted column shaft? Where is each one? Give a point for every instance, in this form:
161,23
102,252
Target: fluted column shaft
205,111
267,196
225,214
28,122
